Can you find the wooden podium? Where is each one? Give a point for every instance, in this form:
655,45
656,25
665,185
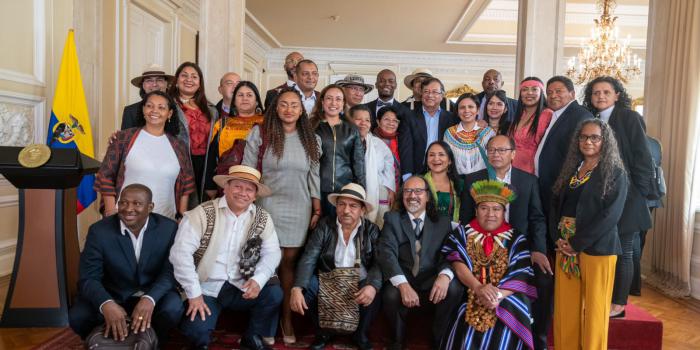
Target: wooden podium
45,272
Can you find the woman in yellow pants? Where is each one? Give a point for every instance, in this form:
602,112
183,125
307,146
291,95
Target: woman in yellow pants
589,196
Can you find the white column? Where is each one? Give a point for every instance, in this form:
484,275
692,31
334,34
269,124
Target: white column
220,41
540,38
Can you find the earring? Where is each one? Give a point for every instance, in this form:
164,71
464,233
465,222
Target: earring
258,110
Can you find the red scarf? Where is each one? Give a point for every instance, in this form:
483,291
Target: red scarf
487,243
391,140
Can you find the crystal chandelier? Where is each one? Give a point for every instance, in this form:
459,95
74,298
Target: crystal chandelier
603,54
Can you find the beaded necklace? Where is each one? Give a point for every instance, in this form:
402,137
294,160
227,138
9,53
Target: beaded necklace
576,182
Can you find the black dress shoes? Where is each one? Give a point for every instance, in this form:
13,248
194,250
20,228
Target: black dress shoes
253,343
395,346
362,342
320,342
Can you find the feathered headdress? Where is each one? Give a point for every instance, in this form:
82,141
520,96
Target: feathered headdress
492,191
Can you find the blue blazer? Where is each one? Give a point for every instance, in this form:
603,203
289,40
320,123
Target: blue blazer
108,267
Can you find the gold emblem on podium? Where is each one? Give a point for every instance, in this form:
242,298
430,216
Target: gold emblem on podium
34,155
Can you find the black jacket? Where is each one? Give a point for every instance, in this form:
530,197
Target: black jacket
108,266
372,105
525,213
397,246
413,139
630,132
131,115
511,104
319,252
596,217
272,93
343,159
555,148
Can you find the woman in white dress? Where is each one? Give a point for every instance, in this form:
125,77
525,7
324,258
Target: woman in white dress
379,166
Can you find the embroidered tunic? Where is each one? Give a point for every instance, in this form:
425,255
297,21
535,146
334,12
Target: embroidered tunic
469,147
512,328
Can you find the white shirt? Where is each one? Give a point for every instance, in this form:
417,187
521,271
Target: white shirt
308,102
400,279
605,114
507,180
137,242
159,176
345,255
555,117
228,255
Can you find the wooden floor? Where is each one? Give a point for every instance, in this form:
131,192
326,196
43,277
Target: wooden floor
681,323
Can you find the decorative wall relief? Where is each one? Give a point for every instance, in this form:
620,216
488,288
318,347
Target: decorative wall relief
16,125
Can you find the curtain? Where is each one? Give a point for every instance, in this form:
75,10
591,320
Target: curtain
671,109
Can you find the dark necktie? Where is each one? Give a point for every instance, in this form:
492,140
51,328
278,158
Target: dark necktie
416,260
381,104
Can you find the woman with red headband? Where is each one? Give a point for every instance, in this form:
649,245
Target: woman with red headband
530,123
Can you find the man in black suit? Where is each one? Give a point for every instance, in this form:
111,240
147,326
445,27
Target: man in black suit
608,97
526,216
492,82
386,86
410,258
124,271
153,78
423,127
290,64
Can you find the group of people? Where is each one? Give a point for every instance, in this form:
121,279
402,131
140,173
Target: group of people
495,213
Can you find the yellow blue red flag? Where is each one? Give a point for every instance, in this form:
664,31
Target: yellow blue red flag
69,126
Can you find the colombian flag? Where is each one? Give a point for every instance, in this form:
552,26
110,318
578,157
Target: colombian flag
69,126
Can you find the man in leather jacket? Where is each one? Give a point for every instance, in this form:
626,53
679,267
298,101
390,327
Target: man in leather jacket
326,251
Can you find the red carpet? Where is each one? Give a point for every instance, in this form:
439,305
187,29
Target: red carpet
638,330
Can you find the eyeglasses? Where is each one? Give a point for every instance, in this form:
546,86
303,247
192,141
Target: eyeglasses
432,93
500,151
593,138
390,121
416,191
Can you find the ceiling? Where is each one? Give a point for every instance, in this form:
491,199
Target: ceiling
484,26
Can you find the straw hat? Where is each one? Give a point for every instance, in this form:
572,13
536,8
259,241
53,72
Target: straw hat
245,173
353,191
153,70
354,79
420,72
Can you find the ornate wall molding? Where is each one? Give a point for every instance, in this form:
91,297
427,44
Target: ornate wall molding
22,118
38,76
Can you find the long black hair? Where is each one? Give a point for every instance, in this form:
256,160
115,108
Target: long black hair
623,100
608,163
200,97
430,207
541,104
274,132
452,173
172,125
503,123
259,109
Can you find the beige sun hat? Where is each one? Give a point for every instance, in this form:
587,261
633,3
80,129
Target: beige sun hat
353,191
245,173
153,70
354,79
420,72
